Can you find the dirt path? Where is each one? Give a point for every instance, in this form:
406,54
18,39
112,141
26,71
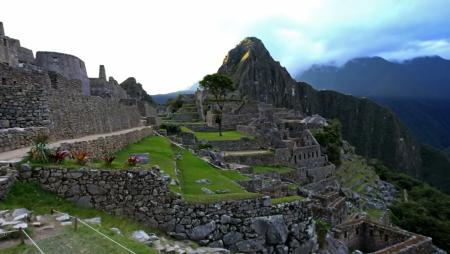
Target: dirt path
17,155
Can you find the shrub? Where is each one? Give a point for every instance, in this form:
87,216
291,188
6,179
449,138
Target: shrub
176,104
108,159
330,138
132,160
200,146
58,156
172,129
81,157
322,228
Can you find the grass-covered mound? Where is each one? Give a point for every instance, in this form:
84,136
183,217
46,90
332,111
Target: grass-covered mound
84,240
193,168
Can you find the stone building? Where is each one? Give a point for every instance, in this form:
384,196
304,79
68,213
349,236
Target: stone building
52,95
71,67
11,52
373,237
106,88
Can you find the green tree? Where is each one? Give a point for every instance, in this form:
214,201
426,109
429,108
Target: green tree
219,86
331,139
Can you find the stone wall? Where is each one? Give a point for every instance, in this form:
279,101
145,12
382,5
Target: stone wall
254,159
40,99
309,175
7,178
254,226
74,115
235,145
109,144
23,98
15,138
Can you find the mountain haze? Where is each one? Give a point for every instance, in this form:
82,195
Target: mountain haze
417,90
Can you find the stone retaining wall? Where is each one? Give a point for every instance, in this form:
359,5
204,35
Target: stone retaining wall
250,226
235,145
7,178
256,159
15,138
75,115
109,144
309,175
23,98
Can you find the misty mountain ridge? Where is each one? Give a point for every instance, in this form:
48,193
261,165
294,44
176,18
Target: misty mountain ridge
417,90
421,77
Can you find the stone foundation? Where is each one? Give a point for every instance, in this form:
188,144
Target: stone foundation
372,237
249,226
110,144
7,178
15,138
254,159
235,145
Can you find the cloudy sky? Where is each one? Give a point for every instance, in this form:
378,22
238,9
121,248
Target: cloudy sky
169,45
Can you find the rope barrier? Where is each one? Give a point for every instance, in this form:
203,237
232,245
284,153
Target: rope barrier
31,240
89,226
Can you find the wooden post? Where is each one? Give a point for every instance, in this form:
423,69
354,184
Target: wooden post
21,236
75,223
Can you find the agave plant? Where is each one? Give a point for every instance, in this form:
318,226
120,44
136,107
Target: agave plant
108,159
132,160
58,156
39,153
81,157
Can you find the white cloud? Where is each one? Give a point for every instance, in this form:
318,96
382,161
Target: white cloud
168,45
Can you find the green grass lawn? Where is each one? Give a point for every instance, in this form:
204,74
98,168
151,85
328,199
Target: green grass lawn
267,169
214,135
32,197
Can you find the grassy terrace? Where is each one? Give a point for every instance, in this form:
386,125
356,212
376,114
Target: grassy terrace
268,169
191,168
214,135
84,240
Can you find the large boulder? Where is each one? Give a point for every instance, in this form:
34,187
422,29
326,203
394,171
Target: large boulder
202,231
251,245
273,228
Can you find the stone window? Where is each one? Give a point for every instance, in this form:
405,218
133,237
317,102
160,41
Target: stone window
371,232
4,81
386,238
55,59
5,43
357,231
14,82
317,154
